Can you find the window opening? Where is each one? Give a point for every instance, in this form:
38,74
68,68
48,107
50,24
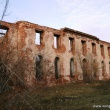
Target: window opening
39,67
56,41
83,47
94,48
57,66
71,67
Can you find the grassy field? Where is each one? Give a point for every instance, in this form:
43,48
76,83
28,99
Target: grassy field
74,96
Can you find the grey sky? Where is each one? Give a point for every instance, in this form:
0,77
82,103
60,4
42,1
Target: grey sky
89,16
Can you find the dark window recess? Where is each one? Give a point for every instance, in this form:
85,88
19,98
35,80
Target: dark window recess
56,41
71,67
109,67
103,68
94,48
57,67
102,50
109,52
72,45
39,67
84,69
38,38
84,48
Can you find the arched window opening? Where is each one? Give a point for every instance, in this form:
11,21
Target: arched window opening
84,63
71,67
39,67
102,68
57,66
109,67
84,68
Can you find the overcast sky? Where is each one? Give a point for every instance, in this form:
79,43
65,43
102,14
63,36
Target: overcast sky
89,16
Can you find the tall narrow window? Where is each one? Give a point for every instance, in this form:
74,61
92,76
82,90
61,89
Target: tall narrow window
109,67
103,70
109,52
56,41
57,67
71,67
102,50
84,50
39,67
71,45
38,39
84,67
94,48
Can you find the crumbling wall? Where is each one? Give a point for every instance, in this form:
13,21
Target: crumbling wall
20,52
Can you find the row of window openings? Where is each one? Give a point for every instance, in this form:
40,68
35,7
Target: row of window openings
72,44
102,66
94,49
57,67
84,49
56,41
39,67
39,36
102,51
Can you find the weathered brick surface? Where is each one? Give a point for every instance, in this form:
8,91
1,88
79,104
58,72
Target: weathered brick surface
18,45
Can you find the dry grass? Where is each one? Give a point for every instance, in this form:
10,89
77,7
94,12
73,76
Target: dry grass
74,96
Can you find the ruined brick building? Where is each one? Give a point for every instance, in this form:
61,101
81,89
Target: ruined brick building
56,56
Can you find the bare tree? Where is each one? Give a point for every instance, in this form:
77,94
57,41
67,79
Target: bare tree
5,9
12,73
2,68
89,66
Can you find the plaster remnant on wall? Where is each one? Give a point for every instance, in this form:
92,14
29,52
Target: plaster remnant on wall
61,52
